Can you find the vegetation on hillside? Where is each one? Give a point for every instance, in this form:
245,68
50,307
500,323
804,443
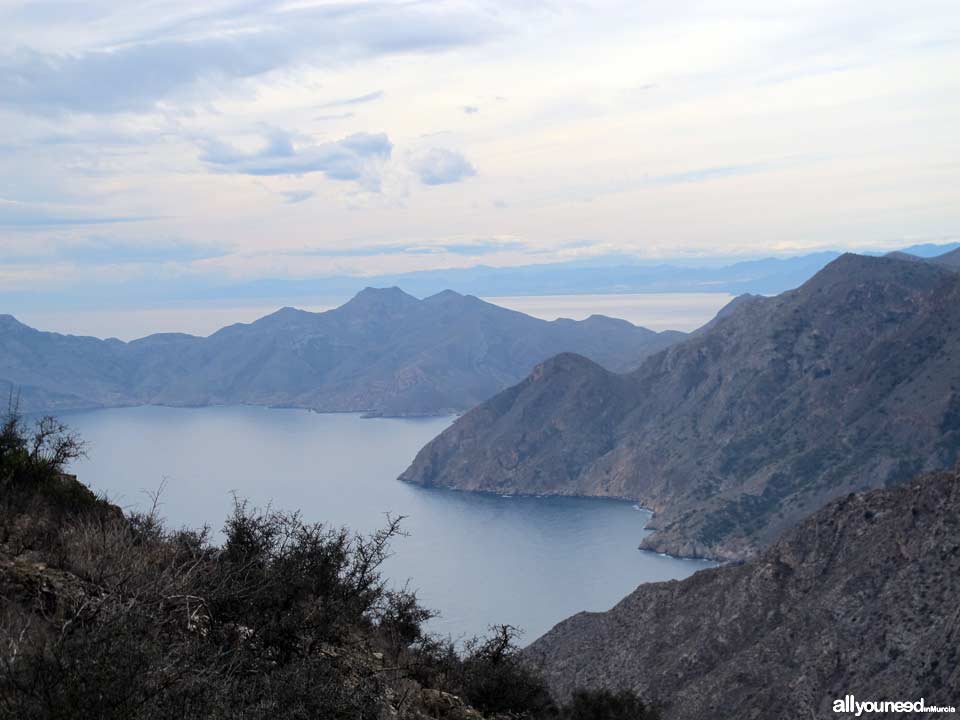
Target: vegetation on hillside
106,615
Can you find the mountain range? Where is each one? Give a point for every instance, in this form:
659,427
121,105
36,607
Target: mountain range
858,599
604,274
383,352
756,420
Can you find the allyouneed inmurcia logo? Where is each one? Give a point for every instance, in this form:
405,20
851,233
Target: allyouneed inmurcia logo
850,705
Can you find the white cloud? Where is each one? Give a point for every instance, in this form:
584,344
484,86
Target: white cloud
218,48
690,129
439,166
356,157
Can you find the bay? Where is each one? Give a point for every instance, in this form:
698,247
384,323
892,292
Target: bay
478,559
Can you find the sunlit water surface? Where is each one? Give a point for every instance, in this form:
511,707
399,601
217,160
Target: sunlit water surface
479,559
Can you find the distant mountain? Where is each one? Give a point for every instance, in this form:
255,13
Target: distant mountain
860,599
929,250
598,275
765,276
949,260
756,420
383,352
606,274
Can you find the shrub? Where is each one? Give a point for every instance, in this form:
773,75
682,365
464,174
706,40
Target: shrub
126,619
607,705
496,679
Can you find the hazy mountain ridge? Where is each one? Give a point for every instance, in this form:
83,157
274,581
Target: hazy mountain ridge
949,260
384,351
606,276
749,425
860,598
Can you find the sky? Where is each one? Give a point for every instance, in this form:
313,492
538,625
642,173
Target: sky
173,144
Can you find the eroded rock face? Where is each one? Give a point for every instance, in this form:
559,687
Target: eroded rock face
860,598
776,407
27,582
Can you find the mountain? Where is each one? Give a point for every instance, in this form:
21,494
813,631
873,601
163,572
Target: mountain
382,352
929,250
624,275
949,260
753,422
861,599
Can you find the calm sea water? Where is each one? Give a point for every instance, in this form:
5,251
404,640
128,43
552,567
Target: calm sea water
478,559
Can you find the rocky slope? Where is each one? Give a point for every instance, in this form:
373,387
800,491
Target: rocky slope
777,406
384,352
949,260
860,598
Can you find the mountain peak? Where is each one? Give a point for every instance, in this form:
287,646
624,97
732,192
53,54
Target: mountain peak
384,292
283,316
565,362
385,295
445,295
851,266
9,322
379,301
288,311
605,320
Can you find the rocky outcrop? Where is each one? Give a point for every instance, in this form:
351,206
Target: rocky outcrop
859,599
776,407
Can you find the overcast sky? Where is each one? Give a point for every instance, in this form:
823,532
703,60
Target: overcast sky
245,140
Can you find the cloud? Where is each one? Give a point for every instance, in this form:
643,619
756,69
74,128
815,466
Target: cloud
439,166
359,100
127,79
297,196
334,116
715,173
137,74
475,249
353,158
100,250
113,251
25,215
472,248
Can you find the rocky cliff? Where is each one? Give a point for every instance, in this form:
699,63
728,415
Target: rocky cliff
859,599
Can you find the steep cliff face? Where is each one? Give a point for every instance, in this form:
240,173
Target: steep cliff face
860,598
779,405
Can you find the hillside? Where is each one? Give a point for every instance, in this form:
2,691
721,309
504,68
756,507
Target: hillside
384,351
859,599
756,420
115,616
949,260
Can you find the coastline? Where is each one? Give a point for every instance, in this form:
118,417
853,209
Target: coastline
622,499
